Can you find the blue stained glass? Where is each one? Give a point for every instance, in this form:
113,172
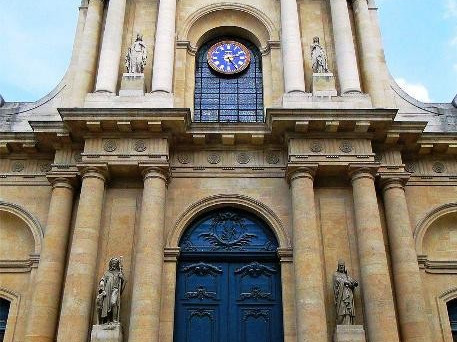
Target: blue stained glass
228,98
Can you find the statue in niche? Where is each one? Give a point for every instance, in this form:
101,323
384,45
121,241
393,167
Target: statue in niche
110,289
343,289
135,61
318,57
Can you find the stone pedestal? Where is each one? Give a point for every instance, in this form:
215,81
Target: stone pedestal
349,333
106,333
132,84
324,84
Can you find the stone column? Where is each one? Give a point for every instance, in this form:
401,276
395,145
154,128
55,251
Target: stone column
88,52
309,283
376,288
110,55
414,326
164,48
370,60
147,277
292,54
80,282
346,61
44,307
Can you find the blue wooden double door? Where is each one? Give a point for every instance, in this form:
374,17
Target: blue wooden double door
228,281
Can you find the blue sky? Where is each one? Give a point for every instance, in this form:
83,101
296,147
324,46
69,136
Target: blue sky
420,40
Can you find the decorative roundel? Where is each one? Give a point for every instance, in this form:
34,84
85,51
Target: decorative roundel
228,57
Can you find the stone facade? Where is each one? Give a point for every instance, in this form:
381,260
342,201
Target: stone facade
365,174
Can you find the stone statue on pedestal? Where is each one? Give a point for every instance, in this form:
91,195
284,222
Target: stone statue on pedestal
318,57
343,289
110,289
135,60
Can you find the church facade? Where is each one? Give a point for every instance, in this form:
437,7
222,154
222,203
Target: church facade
218,171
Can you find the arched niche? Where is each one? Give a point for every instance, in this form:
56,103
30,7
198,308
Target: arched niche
14,299
436,239
224,19
24,235
431,222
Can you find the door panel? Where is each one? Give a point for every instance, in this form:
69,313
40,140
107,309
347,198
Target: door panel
228,280
228,302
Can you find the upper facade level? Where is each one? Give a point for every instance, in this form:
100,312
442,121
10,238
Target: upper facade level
320,54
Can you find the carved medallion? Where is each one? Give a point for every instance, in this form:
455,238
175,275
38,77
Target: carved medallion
110,145
202,269
78,157
200,293
139,146
201,313
17,166
243,158
256,313
346,146
272,158
184,158
411,167
316,146
228,233
255,293
255,270
214,158
439,167
45,167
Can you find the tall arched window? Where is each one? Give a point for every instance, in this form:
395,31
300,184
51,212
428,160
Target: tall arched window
452,311
228,95
4,310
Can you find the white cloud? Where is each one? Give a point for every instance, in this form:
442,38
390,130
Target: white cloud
451,9
416,90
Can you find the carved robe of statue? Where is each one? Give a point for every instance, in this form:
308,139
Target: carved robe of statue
343,289
110,289
318,57
135,60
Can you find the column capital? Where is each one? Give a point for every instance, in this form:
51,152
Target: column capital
60,181
388,182
285,254
94,171
301,171
357,171
171,254
155,171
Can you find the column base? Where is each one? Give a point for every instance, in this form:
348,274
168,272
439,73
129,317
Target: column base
308,101
324,84
107,333
148,100
295,99
349,333
161,99
132,84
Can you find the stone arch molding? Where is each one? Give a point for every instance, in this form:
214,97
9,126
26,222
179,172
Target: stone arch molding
14,299
423,225
260,25
237,201
31,221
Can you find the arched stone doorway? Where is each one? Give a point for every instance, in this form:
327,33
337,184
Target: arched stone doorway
228,284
